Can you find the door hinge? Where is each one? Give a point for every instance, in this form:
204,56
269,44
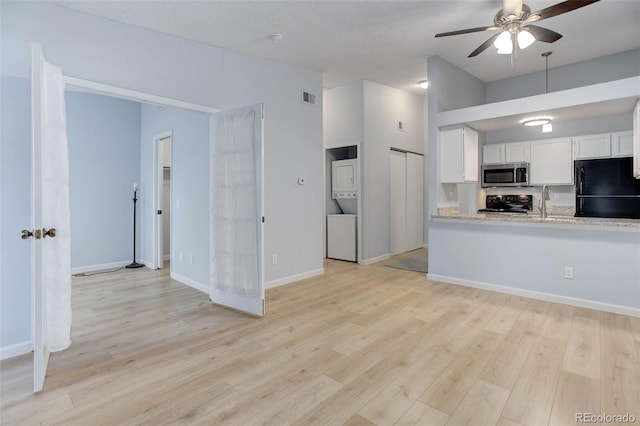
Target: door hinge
262,219
159,211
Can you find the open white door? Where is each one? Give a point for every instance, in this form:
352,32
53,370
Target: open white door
40,349
236,209
50,245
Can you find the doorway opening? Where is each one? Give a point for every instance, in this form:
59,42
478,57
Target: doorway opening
162,195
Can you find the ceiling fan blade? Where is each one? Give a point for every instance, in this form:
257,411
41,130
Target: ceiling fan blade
467,31
543,34
483,46
558,9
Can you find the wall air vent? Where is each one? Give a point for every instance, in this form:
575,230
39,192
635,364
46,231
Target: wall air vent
308,98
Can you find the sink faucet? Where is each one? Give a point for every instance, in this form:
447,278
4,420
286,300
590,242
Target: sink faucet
543,201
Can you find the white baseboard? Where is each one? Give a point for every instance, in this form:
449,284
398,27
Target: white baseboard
293,278
556,298
13,351
375,259
191,283
102,267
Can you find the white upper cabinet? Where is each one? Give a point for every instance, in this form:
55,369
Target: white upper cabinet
592,146
636,141
622,144
517,152
551,162
493,154
458,155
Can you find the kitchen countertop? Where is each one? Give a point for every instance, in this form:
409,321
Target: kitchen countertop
535,219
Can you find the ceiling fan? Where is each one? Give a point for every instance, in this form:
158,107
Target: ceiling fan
515,20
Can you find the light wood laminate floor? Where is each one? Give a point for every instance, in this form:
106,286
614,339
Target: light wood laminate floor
360,345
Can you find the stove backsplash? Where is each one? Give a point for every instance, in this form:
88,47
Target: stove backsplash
562,202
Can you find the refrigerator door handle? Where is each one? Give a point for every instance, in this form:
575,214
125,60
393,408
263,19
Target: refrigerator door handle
581,181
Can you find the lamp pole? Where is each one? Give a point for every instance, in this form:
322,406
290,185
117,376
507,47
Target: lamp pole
134,264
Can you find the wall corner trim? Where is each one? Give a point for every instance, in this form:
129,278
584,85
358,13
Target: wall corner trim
293,278
548,297
100,267
191,283
18,349
375,259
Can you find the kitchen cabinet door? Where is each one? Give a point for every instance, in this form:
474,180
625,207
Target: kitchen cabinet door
458,150
551,162
493,154
622,144
592,146
517,152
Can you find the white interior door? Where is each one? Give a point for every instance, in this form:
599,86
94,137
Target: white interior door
51,230
236,209
415,201
398,201
40,348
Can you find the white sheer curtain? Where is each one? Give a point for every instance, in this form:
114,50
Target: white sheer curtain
235,202
55,213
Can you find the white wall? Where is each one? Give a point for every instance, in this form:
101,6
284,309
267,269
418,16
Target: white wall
343,115
369,113
383,108
104,161
104,51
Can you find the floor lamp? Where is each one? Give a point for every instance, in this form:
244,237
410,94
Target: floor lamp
134,264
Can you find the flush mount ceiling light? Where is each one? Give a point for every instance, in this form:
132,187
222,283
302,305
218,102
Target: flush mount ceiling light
515,21
424,84
536,121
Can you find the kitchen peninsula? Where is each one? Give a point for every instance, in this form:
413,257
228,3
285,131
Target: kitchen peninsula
587,262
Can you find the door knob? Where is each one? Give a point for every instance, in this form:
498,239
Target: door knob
25,233
49,232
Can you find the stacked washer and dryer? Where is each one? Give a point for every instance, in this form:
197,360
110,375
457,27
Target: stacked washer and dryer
342,229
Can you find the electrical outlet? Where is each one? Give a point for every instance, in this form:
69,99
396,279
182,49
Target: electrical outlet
177,204
180,257
556,196
568,272
274,259
300,181
190,259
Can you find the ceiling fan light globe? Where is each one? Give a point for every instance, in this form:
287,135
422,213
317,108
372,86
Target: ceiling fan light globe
503,41
525,39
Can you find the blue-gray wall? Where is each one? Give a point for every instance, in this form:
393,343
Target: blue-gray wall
104,162
190,181
598,70
15,175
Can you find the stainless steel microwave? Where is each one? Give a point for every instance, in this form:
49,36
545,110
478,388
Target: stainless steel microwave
515,174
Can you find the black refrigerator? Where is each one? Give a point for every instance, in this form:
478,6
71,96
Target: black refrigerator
607,188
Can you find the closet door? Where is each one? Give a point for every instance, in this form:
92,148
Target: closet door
398,201
415,201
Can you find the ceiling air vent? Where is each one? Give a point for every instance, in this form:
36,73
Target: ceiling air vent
308,98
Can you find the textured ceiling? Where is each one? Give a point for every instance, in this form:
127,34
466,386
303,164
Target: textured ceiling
382,41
